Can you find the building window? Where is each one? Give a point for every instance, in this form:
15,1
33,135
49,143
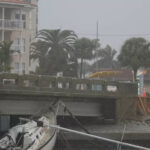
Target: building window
21,15
24,19
22,45
17,41
17,16
17,45
24,24
16,68
23,68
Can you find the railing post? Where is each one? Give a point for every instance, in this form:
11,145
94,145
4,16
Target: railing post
20,81
89,85
72,84
104,87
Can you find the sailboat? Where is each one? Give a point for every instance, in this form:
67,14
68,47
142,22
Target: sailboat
31,134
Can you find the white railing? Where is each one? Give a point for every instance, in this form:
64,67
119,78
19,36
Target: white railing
12,24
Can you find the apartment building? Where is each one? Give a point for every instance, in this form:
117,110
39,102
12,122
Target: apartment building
18,23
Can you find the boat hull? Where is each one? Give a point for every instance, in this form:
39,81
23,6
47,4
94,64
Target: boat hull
50,144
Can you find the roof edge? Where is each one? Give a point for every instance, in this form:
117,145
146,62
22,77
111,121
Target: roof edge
13,2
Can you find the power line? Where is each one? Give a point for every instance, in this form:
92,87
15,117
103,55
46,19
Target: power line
114,35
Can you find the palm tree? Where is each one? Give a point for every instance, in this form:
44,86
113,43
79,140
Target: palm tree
53,49
84,51
107,56
39,51
5,56
135,53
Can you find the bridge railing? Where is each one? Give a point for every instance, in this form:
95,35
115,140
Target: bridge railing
65,84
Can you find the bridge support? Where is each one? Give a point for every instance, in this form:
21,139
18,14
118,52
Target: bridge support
4,123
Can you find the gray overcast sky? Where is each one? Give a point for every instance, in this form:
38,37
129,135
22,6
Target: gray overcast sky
114,16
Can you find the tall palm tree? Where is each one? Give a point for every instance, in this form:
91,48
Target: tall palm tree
84,51
5,56
107,56
53,48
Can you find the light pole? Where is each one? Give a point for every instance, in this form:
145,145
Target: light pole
96,48
3,23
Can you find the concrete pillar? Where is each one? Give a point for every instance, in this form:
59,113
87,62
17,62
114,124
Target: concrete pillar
4,123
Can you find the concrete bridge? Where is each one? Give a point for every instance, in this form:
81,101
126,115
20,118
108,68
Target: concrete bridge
88,99
28,94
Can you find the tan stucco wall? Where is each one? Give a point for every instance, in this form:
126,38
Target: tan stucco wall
28,33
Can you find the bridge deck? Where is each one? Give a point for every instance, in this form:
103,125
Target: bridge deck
27,94
61,86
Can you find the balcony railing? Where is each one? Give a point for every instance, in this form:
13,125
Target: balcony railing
12,24
17,48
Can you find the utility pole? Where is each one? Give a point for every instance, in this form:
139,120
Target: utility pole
3,24
96,44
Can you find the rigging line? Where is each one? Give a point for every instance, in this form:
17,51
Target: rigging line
71,114
119,146
60,143
68,144
99,137
79,123
94,143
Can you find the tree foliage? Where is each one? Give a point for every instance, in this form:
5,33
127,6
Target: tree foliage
5,56
135,53
106,58
84,51
107,55
55,51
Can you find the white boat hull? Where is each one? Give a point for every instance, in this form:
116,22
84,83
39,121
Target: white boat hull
33,135
51,143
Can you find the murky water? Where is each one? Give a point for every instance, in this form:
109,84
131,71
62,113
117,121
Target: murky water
86,145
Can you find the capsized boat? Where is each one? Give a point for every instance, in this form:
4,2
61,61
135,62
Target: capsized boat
33,134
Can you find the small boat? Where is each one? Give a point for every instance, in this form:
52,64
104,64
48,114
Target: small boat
33,134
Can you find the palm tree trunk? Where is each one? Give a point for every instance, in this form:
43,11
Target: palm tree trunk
134,75
81,68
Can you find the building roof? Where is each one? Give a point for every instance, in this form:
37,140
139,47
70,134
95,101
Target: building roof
20,2
124,75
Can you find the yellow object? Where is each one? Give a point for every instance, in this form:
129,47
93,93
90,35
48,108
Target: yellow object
143,72
103,74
